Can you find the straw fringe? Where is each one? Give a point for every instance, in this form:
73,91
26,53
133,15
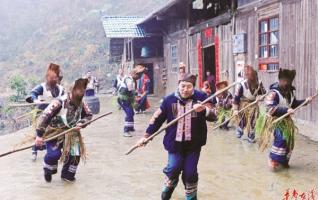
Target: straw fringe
69,141
30,136
265,131
247,115
223,114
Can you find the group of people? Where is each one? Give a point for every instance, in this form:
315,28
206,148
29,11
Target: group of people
132,91
184,140
59,110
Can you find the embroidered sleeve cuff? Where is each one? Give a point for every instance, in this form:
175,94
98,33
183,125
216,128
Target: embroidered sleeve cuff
149,130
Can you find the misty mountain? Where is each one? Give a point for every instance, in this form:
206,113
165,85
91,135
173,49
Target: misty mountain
34,33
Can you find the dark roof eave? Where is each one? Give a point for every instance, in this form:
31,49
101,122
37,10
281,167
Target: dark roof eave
159,11
216,21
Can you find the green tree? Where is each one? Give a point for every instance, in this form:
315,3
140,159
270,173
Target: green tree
18,84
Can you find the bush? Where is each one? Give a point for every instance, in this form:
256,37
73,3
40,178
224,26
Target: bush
18,84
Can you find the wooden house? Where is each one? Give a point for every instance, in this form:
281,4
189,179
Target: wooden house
129,45
224,35
281,34
197,34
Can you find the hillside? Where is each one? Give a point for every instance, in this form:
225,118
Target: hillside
68,32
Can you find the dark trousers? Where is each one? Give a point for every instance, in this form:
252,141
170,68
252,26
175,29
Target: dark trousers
142,103
187,163
129,118
279,151
242,125
53,154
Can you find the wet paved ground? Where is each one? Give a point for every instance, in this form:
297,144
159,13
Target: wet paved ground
229,168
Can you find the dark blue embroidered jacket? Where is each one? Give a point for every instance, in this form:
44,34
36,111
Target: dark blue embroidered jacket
272,101
240,90
168,113
38,90
49,115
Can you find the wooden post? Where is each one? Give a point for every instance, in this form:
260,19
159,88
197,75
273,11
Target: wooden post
233,5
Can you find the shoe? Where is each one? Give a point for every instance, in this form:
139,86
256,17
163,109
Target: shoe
33,157
239,133
166,194
69,180
127,134
47,176
251,138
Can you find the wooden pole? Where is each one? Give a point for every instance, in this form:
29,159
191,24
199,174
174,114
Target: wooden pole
180,117
300,106
56,136
233,5
27,104
25,115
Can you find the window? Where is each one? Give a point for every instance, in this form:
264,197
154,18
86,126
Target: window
174,58
269,67
269,44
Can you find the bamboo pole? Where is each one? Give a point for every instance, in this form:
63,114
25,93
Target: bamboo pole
22,116
180,117
54,137
27,104
25,115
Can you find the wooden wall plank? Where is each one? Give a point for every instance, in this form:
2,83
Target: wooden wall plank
298,45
